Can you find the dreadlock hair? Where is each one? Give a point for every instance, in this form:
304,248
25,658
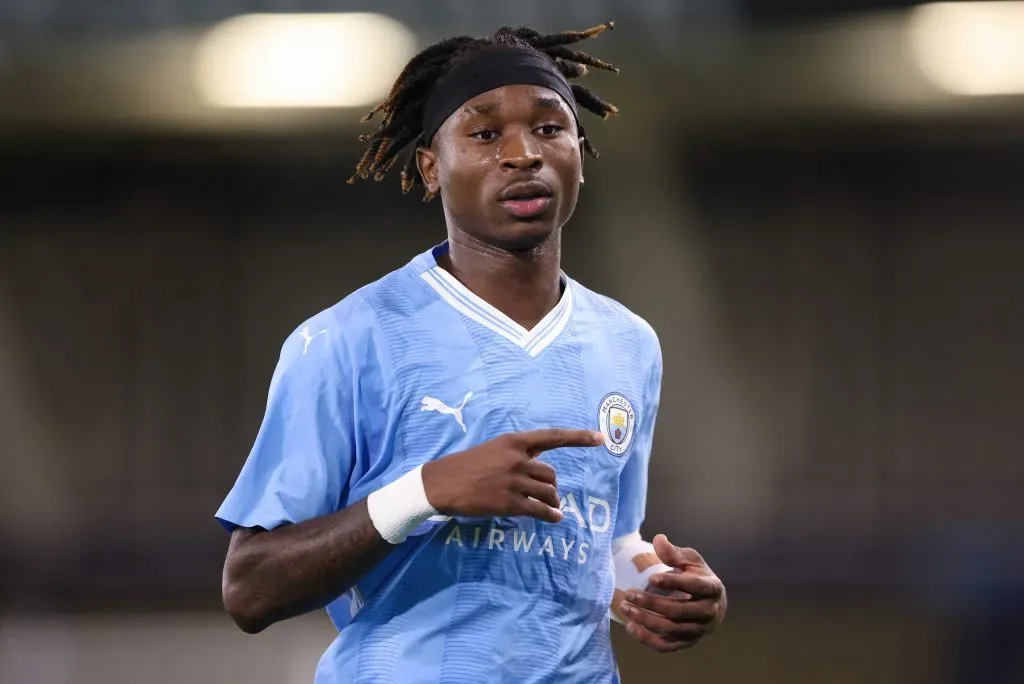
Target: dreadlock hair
402,111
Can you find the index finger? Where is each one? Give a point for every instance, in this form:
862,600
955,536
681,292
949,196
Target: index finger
539,441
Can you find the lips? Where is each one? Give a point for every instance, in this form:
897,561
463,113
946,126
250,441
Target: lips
526,199
526,190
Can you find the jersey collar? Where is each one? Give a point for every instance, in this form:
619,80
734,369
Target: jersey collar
459,297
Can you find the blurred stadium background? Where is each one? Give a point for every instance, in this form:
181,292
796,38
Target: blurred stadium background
818,204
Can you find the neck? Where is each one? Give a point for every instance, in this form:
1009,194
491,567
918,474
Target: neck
523,285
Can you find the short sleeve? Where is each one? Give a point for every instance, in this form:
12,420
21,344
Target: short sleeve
633,478
305,448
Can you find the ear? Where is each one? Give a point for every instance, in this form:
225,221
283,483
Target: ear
426,162
583,155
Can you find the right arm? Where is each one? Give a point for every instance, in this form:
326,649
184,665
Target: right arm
292,550
277,574
273,575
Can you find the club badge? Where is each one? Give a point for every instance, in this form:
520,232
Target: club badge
617,420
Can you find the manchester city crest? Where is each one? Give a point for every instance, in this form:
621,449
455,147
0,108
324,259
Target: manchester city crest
617,421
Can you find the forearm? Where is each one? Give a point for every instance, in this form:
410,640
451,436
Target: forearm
273,575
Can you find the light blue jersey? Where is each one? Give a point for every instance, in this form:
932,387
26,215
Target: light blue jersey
414,367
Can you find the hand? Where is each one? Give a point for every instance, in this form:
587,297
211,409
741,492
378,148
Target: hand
502,477
680,607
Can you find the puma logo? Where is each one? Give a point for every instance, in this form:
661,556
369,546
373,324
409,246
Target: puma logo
307,338
432,404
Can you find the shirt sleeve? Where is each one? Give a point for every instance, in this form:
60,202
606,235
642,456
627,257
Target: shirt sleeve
633,478
304,452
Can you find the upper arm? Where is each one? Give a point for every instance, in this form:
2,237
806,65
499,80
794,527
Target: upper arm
304,452
634,475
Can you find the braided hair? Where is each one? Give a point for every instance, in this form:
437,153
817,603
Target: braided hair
402,110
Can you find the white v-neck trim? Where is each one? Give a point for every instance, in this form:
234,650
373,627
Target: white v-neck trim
533,342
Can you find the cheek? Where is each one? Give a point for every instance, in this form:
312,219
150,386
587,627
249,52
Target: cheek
567,159
569,173
460,183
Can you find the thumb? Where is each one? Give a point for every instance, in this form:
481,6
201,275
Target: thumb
675,556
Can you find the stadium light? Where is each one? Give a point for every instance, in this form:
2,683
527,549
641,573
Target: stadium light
301,60
970,48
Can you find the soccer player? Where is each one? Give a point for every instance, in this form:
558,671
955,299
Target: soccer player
453,459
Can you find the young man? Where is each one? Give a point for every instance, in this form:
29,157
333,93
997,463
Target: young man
454,458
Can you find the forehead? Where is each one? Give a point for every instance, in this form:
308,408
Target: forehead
514,99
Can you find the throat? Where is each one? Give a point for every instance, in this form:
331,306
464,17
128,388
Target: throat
524,294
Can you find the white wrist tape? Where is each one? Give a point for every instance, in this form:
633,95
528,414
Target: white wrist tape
400,507
634,562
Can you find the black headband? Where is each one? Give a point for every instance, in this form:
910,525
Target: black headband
486,71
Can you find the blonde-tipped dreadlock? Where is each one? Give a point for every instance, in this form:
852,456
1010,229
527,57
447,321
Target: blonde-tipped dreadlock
401,123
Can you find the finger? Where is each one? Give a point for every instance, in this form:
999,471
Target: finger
540,510
695,584
659,624
540,471
541,491
679,611
656,641
538,441
675,556
662,625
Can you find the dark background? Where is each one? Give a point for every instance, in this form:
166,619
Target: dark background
828,245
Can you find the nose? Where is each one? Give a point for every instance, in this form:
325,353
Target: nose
520,152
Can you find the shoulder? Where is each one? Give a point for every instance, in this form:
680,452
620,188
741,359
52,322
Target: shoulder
322,336
355,331
615,317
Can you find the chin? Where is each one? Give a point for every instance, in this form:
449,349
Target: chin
523,236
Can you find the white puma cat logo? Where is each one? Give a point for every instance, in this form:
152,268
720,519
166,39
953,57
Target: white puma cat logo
309,338
432,404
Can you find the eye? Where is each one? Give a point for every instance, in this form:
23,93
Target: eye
550,129
485,135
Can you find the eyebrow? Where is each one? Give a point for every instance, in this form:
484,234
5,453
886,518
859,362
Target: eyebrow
548,103
485,108
482,108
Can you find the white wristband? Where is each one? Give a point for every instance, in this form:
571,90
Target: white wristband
400,507
626,551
